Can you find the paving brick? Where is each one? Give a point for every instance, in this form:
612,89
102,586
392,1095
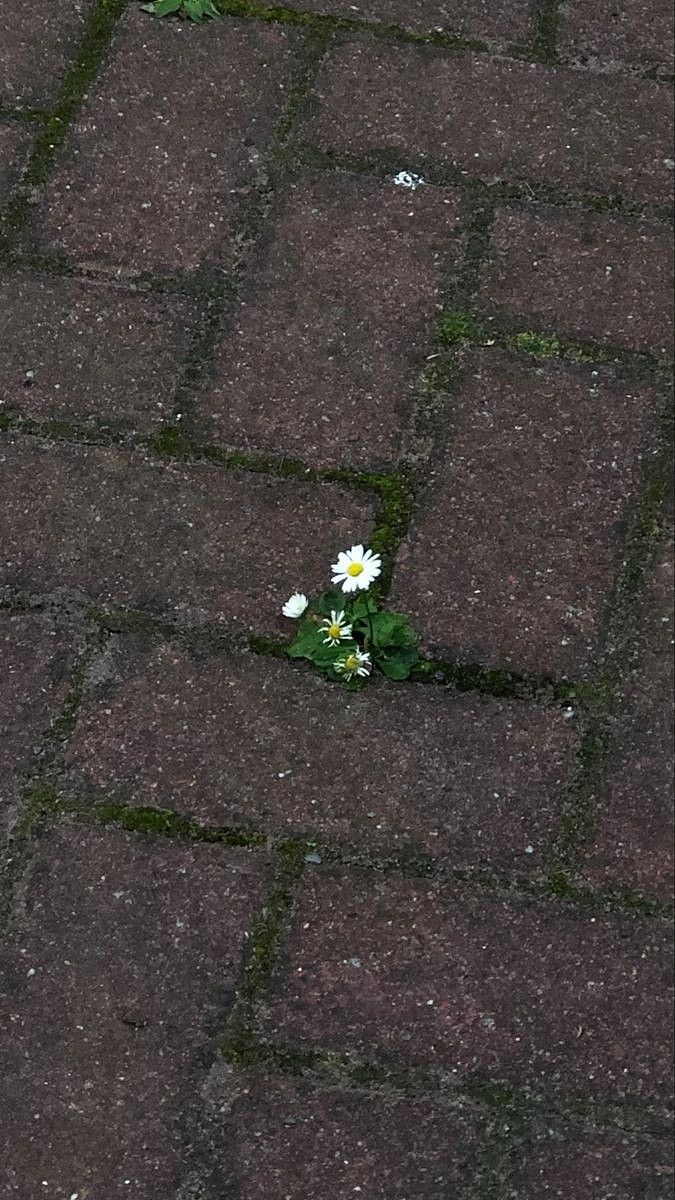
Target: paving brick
585,276
120,969
505,22
284,1140
36,50
73,350
634,842
529,993
497,120
514,549
611,1166
197,542
336,322
168,143
637,31
239,740
14,148
34,676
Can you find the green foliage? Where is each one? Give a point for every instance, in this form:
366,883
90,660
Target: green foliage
385,636
193,10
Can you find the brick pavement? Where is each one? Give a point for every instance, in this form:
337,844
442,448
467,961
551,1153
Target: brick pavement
263,937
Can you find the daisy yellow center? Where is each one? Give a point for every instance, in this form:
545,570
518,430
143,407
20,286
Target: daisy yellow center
352,662
354,569
334,631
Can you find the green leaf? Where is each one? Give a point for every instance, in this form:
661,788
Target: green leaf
162,8
362,606
194,9
399,663
325,604
210,9
306,641
391,629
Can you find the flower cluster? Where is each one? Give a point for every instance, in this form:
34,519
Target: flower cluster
344,633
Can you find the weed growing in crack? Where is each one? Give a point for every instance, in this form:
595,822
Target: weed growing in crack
191,10
348,638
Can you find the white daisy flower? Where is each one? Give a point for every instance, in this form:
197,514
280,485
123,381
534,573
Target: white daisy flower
356,663
356,568
335,628
295,606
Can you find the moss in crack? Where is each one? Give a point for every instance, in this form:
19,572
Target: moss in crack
490,681
239,1046
393,520
549,345
267,646
546,36
55,126
159,822
40,802
578,807
459,329
539,344
560,885
334,23
171,443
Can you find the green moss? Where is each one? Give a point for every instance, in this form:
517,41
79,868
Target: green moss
160,822
331,23
239,1047
472,677
267,930
560,886
539,344
610,899
458,329
170,442
267,646
55,126
546,35
392,523
41,797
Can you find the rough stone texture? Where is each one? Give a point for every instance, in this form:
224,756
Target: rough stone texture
149,183
638,31
608,1166
336,323
584,276
72,350
395,969
196,541
504,22
34,676
121,967
514,548
634,841
498,120
284,1140
239,740
14,148
37,46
